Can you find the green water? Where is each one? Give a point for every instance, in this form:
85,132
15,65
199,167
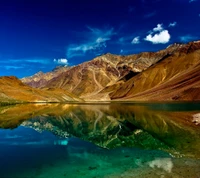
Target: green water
107,140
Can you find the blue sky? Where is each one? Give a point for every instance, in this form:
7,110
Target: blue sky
39,35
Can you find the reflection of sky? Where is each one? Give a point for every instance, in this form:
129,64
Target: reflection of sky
27,136
164,163
25,149
26,152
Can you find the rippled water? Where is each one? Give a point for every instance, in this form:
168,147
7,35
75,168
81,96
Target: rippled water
107,140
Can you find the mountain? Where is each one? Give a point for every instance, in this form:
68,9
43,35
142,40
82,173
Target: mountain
175,78
12,90
40,79
116,77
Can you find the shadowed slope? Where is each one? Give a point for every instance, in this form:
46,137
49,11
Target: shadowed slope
175,78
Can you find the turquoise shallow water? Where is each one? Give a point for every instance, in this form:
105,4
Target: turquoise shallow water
105,141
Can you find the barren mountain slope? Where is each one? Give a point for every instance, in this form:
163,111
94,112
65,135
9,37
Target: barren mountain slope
146,76
88,79
40,79
13,90
175,78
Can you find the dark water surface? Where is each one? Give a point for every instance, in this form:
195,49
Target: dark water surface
107,140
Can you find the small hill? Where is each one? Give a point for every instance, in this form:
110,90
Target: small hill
12,90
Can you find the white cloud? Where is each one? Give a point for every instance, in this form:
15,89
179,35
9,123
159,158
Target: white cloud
41,61
24,61
61,61
101,40
126,40
13,67
159,28
173,24
162,36
33,60
188,38
136,40
192,1
97,42
163,163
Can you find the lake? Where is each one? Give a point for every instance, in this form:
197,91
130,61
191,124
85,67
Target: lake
105,140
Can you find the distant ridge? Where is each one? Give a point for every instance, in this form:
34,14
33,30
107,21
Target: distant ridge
171,74
12,90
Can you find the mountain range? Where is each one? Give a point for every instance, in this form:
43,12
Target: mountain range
171,74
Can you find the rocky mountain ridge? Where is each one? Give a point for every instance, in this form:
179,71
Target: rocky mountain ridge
175,78
167,75
39,79
99,78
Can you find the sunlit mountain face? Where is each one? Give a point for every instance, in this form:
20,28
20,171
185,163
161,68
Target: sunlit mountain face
171,74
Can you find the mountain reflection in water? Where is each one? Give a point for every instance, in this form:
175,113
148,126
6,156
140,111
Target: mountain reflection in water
136,136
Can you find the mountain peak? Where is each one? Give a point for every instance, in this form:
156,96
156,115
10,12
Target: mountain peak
39,73
61,67
176,44
111,76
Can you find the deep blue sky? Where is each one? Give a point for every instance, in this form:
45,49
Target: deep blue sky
37,35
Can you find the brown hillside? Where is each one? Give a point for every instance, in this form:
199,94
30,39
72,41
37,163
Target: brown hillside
169,74
88,79
40,79
175,78
12,90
